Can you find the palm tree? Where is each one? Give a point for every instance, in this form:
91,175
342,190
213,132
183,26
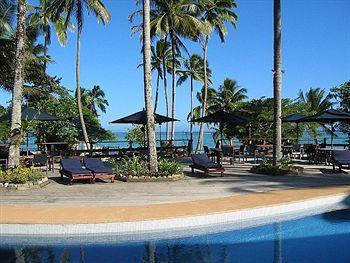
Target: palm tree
277,82
228,97
94,99
215,14
17,92
76,9
193,70
313,101
43,18
151,136
174,19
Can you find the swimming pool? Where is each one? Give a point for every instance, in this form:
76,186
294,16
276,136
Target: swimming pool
319,238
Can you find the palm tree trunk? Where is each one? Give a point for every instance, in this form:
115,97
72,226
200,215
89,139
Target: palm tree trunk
166,96
14,154
157,94
80,107
45,53
205,95
151,138
173,86
277,83
191,123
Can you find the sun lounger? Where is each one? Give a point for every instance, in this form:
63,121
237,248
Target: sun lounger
340,158
203,163
99,169
74,171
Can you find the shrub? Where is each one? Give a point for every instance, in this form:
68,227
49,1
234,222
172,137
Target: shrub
20,175
283,167
136,166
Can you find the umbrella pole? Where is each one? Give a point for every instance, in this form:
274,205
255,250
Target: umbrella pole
27,145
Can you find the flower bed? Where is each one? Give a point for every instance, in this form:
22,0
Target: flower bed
284,167
135,169
22,179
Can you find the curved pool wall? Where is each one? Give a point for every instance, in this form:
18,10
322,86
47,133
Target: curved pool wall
166,228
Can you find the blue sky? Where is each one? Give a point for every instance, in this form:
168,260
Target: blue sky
316,41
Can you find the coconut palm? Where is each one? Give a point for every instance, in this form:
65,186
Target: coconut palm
147,70
75,9
43,19
277,82
193,70
228,97
17,92
215,14
173,19
94,99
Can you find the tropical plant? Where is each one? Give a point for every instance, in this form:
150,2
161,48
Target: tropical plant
76,9
194,71
173,19
20,175
7,17
277,82
136,134
42,17
214,15
93,99
147,74
14,154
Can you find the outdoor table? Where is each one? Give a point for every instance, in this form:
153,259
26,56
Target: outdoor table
52,146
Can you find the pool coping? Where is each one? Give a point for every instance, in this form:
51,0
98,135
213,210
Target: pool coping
24,220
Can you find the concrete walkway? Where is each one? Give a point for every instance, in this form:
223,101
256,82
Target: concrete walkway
238,181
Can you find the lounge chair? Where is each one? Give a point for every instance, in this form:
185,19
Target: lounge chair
99,169
203,163
74,171
340,158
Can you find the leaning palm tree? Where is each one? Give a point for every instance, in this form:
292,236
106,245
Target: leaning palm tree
214,14
76,9
147,70
193,70
17,93
277,82
43,19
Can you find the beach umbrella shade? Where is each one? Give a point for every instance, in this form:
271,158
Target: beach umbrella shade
140,117
30,115
294,118
329,116
222,117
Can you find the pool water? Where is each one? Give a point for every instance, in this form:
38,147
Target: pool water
320,238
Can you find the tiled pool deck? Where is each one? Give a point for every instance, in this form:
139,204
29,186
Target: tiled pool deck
82,203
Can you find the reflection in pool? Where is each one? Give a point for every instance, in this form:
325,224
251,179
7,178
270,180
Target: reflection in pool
320,238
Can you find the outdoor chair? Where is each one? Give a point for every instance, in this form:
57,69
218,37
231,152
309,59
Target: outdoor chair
310,151
297,151
340,158
99,169
228,152
74,171
41,161
3,164
203,163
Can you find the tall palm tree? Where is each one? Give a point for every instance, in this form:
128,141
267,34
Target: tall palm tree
174,19
17,92
76,9
43,18
277,82
94,99
214,14
193,70
147,69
